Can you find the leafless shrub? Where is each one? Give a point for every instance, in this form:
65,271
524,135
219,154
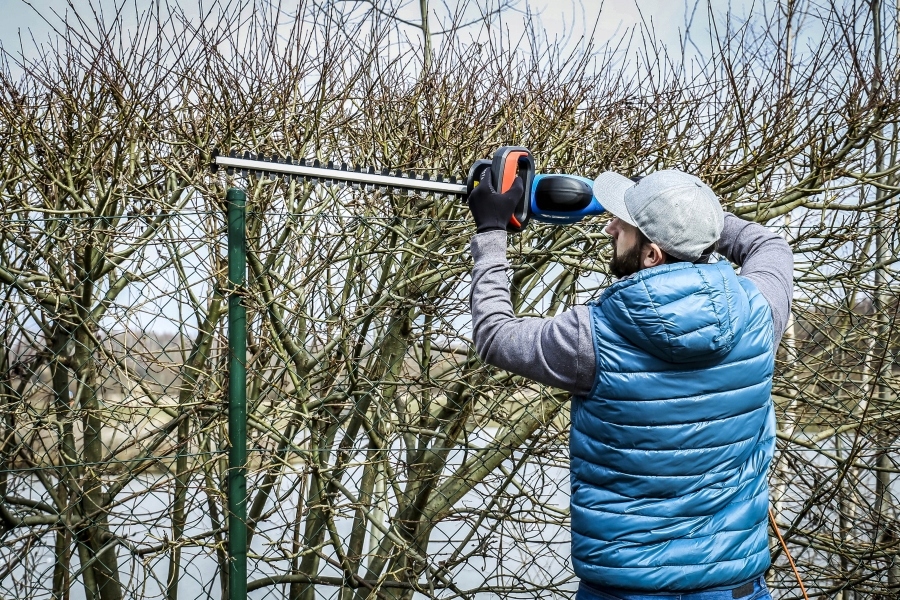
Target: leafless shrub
386,460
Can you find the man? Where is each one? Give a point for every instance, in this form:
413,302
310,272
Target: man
673,427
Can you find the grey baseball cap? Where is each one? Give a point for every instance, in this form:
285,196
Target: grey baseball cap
677,211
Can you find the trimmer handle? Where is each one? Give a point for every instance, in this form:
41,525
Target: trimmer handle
508,161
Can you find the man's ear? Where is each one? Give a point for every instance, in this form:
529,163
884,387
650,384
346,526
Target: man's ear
652,255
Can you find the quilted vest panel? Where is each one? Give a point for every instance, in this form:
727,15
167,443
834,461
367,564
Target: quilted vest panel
670,450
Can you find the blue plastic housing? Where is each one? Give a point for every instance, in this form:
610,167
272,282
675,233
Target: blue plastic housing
562,199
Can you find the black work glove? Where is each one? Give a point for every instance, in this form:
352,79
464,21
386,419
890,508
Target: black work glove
491,209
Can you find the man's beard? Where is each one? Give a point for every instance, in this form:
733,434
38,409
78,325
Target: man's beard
627,263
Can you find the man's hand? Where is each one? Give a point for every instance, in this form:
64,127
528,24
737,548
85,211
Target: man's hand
491,209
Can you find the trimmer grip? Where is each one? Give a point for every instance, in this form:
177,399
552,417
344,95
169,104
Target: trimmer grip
505,166
508,161
474,172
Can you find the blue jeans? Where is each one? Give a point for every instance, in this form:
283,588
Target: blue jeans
754,590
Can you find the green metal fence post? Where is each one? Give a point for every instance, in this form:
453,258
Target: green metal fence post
236,201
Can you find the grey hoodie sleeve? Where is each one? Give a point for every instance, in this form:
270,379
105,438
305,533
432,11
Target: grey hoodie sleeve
766,260
556,351
559,351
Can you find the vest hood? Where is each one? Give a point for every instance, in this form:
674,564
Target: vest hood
679,313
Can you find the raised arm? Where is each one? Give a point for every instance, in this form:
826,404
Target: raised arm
766,260
556,351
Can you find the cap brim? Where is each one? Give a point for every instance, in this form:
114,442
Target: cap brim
609,190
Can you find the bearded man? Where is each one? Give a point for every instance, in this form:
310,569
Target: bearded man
670,370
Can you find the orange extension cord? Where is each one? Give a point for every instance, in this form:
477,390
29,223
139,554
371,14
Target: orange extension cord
786,552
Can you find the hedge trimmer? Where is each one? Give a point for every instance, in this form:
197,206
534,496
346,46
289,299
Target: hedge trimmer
550,198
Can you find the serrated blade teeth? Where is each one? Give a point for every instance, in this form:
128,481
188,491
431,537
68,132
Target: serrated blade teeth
341,174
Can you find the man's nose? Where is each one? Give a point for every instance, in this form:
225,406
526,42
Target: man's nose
612,228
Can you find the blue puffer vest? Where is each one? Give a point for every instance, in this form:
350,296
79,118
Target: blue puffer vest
669,451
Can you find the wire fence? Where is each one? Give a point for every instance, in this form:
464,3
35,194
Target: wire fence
384,459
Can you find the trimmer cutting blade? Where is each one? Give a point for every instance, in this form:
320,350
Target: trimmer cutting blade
549,198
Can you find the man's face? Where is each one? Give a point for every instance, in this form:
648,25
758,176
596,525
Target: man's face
627,257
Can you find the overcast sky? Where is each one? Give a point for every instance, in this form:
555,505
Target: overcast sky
557,16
